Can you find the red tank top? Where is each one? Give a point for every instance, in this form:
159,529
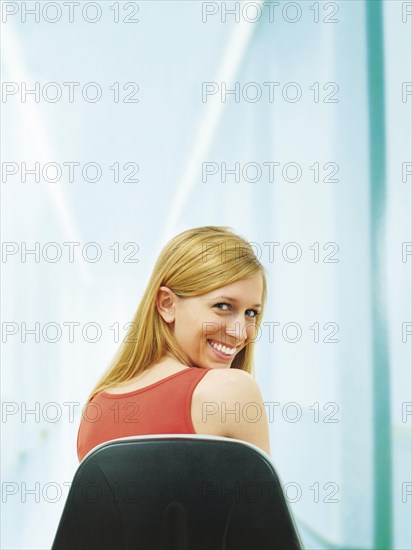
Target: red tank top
159,408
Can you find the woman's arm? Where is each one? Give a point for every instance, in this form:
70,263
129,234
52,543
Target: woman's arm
228,403
251,424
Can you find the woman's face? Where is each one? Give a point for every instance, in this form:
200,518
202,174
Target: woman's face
224,317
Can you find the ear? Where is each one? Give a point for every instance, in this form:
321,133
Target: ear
165,303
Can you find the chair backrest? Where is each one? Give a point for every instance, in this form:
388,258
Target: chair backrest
176,492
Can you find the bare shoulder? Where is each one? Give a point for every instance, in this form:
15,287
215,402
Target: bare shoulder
227,383
228,403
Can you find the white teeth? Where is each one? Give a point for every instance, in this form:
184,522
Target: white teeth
223,349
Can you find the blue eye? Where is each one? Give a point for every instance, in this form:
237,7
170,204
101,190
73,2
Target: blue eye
256,313
221,304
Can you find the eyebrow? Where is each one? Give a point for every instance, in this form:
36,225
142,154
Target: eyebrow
231,300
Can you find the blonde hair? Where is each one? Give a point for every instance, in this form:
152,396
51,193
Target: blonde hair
192,263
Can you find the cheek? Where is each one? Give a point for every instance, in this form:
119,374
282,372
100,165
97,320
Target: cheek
250,331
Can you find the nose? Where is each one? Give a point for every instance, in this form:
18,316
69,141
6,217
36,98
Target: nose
240,328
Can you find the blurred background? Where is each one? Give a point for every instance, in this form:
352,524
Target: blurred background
125,123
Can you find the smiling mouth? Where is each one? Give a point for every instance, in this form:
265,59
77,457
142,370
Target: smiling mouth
227,351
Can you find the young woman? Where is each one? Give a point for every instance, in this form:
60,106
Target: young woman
185,365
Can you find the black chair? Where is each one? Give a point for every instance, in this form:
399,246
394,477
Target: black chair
176,492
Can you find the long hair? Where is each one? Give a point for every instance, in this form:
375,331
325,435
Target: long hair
192,263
